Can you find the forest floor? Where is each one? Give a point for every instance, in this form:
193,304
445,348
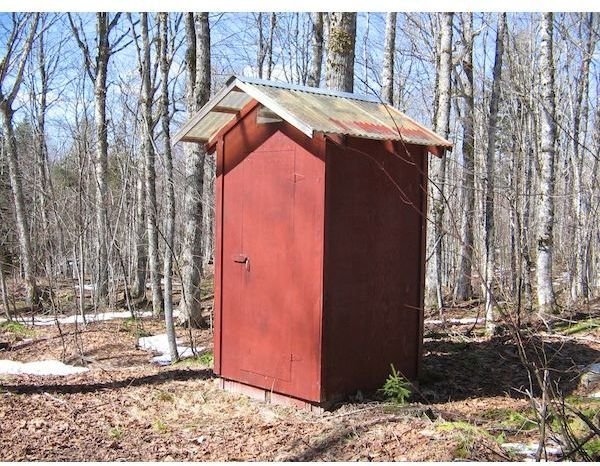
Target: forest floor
469,405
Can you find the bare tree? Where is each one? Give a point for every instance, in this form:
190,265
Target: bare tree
488,231
165,65
314,75
545,288
197,94
339,73
580,286
464,289
148,123
12,65
265,46
389,51
438,166
96,67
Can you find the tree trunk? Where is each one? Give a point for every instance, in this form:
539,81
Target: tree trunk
389,51
464,289
150,170
545,289
270,44
14,170
488,230
101,160
198,92
579,269
20,210
41,152
339,73
138,290
314,76
438,166
163,19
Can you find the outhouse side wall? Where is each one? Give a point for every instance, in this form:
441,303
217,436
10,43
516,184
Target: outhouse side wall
373,265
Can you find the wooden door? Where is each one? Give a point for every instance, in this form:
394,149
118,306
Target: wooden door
272,269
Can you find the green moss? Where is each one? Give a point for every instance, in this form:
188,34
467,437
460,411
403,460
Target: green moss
571,329
159,426
16,328
512,419
205,360
592,448
466,436
116,432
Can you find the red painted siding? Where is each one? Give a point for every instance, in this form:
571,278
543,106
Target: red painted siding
331,292
373,299
272,236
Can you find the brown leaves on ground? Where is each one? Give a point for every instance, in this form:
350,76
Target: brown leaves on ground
125,408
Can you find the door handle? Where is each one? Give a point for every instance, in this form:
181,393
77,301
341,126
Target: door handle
240,258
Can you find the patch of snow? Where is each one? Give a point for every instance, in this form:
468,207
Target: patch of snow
594,368
594,395
464,320
530,449
160,344
101,316
47,367
591,374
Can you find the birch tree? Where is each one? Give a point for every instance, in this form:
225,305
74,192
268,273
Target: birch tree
545,288
22,32
463,289
314,75
197,94
165,64
339,73
389,51
580,200
96,67
148,123
489,231
438,166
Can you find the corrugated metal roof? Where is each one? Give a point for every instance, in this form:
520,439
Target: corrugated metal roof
311,110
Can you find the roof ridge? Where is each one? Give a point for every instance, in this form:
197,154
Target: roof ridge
301,88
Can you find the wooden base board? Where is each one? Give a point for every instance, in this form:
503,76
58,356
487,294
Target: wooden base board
268,396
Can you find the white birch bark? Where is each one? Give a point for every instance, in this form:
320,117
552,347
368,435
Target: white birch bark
464,290
545,220
97,69
7,98
389,51
163,24
580,268
150,169
437,168
314,75
489,229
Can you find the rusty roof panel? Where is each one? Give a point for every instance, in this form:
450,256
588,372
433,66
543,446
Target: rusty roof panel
311,110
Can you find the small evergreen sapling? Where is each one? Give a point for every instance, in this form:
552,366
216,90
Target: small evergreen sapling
396,387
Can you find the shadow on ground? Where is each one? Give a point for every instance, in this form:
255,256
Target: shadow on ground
455,371
155,379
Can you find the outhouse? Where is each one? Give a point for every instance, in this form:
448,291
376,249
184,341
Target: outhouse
320,239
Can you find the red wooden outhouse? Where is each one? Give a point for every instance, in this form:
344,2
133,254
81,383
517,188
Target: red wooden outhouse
320,239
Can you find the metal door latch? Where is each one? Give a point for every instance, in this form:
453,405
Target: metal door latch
242,259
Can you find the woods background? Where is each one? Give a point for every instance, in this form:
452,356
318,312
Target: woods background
93,194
